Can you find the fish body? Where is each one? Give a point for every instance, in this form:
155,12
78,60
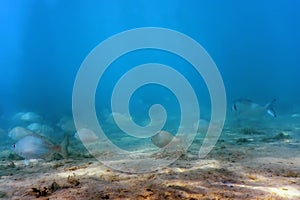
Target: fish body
67,124
40,128
86,135
19,132
31,117
28,117
295,115
121,118
35,146
162,138
247,108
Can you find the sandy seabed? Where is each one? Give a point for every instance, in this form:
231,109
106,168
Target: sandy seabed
236,169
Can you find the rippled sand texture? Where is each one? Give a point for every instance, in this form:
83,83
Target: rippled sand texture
245,164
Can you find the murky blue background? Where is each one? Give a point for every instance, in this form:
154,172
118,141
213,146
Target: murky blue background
255,45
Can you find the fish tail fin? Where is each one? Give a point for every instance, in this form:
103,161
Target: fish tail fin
270,108
64,147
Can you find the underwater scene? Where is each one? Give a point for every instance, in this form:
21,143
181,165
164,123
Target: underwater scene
140,99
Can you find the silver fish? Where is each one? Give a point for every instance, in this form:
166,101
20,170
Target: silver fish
67,124
86,135
163,138
35,146
19,132
27,117
40,128
247,108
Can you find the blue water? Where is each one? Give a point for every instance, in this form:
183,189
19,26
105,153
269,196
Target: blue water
255,46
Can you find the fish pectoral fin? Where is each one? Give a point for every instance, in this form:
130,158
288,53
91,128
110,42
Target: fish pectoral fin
271,112
26,162
53,156
270,108
64,147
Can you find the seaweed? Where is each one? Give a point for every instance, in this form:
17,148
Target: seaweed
281,136
40,192
252,131
103,195
73,180
278,137
45,191
54,186
3,194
